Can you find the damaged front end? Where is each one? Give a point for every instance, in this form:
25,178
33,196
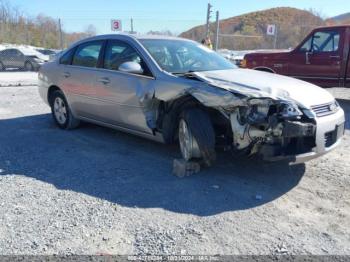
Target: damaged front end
274,129
246,119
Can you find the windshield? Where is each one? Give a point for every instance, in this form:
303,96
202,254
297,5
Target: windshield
181,57
28,52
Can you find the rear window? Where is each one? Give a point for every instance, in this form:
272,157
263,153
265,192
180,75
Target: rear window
87,54
66,59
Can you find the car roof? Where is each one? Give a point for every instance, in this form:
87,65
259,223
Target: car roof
332,27
159,37
130,36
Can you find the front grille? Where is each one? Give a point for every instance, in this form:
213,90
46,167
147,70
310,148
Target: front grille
323,110
330,138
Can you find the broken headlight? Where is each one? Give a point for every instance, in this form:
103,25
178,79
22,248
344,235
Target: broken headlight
256,112
309,113
289,110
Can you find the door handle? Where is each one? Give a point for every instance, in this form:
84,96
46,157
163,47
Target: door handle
104,80
66,74
334,56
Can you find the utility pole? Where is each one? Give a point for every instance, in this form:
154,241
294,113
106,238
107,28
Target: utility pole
275,41
132,25
60,34
217,31
208,20
27,35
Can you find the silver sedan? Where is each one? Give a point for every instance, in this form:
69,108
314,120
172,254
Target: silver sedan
172,89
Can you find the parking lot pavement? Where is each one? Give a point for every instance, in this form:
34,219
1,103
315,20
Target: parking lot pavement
18,78
95,190
341,93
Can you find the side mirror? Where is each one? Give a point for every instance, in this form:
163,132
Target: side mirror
307,57
131,67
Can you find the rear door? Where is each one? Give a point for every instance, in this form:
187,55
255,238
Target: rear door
9,58
4,57
78,69
318,59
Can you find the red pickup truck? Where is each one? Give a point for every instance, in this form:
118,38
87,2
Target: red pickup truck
322,58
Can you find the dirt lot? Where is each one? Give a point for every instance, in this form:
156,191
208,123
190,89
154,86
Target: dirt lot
95,190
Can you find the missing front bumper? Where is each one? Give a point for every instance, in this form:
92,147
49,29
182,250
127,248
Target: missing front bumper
326,127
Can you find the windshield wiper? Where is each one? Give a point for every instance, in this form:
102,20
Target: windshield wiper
187,74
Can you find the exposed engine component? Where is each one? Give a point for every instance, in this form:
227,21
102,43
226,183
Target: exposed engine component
298,129
243,134
266,121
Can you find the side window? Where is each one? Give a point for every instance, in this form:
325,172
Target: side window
87,54
5,52
118,52
114,55
17,53
66,59
11,52
327,41
307,45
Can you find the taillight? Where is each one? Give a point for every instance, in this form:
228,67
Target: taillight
244,63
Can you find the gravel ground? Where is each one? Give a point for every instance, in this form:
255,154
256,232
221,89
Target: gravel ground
94,190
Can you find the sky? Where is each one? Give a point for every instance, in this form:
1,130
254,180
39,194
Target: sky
176,15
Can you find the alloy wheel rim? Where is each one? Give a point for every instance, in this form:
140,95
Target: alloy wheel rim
60,110
186,140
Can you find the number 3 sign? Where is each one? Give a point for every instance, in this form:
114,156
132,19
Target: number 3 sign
116,25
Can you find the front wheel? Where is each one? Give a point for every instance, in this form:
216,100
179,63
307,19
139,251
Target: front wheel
196,136
61,112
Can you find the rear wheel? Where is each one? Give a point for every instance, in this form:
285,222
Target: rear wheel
197,136
61,112
28,66
267,70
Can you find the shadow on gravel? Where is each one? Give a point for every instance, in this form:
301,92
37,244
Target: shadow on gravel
133,172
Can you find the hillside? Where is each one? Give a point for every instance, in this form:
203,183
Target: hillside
293,24
340,19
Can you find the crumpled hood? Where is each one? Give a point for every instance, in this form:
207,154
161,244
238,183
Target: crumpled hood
259,84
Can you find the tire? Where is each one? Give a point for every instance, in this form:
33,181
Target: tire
28,66
2,67
201,142
61,112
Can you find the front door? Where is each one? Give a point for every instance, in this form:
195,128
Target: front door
122,93
318,59
19,59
